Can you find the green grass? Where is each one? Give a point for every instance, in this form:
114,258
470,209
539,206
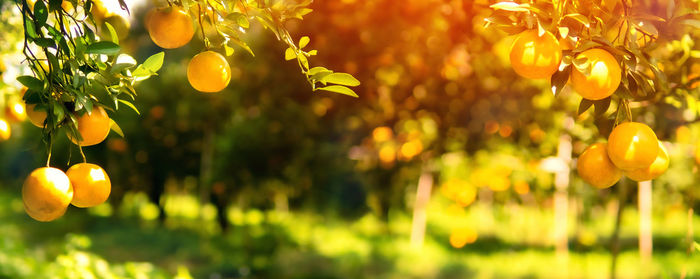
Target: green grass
514,242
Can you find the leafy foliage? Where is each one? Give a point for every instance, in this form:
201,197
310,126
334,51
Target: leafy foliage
231,19
629,30
74,69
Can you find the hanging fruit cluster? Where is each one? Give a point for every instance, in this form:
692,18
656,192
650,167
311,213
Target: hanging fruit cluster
599,49
222,24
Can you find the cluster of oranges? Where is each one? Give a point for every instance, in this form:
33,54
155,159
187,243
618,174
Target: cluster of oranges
172,27
538,57
47,192
632,149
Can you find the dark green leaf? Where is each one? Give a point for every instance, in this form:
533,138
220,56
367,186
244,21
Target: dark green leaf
41,13
103,47
44,42
31,82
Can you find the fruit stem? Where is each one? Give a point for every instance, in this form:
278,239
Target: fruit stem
201,26
81,153
48,159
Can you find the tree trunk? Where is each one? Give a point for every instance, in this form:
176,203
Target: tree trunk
615,238
561,202
425,184
645,234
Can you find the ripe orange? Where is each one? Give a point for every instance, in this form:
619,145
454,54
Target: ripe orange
169,27
632,145
37,117
595,167
656,169
46,194
208,72
535,57
604,78
4,130
93,127
91,185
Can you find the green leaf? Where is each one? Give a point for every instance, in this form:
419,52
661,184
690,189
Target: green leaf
115,127
304,41
239,18
103,47
41,13
30,30
289,54
316,70
154,62
339,89
31,82
112,33
341,78
44,42
697,246
127,103
55,5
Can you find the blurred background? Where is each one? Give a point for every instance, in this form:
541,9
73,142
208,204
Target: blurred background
449,165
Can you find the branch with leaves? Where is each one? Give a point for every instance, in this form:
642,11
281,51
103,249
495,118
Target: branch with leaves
230,20
74,70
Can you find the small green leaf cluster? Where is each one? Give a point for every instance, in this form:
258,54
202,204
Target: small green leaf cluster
73,68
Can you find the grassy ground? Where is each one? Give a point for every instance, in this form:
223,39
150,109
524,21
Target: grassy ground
514,242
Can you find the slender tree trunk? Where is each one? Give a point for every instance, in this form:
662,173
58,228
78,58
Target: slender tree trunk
615,238
425,184
645,234
561,198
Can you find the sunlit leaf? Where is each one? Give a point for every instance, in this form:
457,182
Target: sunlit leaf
339,89
115,127
341,78
103,47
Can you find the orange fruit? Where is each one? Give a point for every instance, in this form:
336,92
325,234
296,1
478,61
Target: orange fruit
93,127
169,27
37,117
91,185
535,57
46,194
656,169
99,11
632,145
5,131
595,167
604,78
209,72
462,235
